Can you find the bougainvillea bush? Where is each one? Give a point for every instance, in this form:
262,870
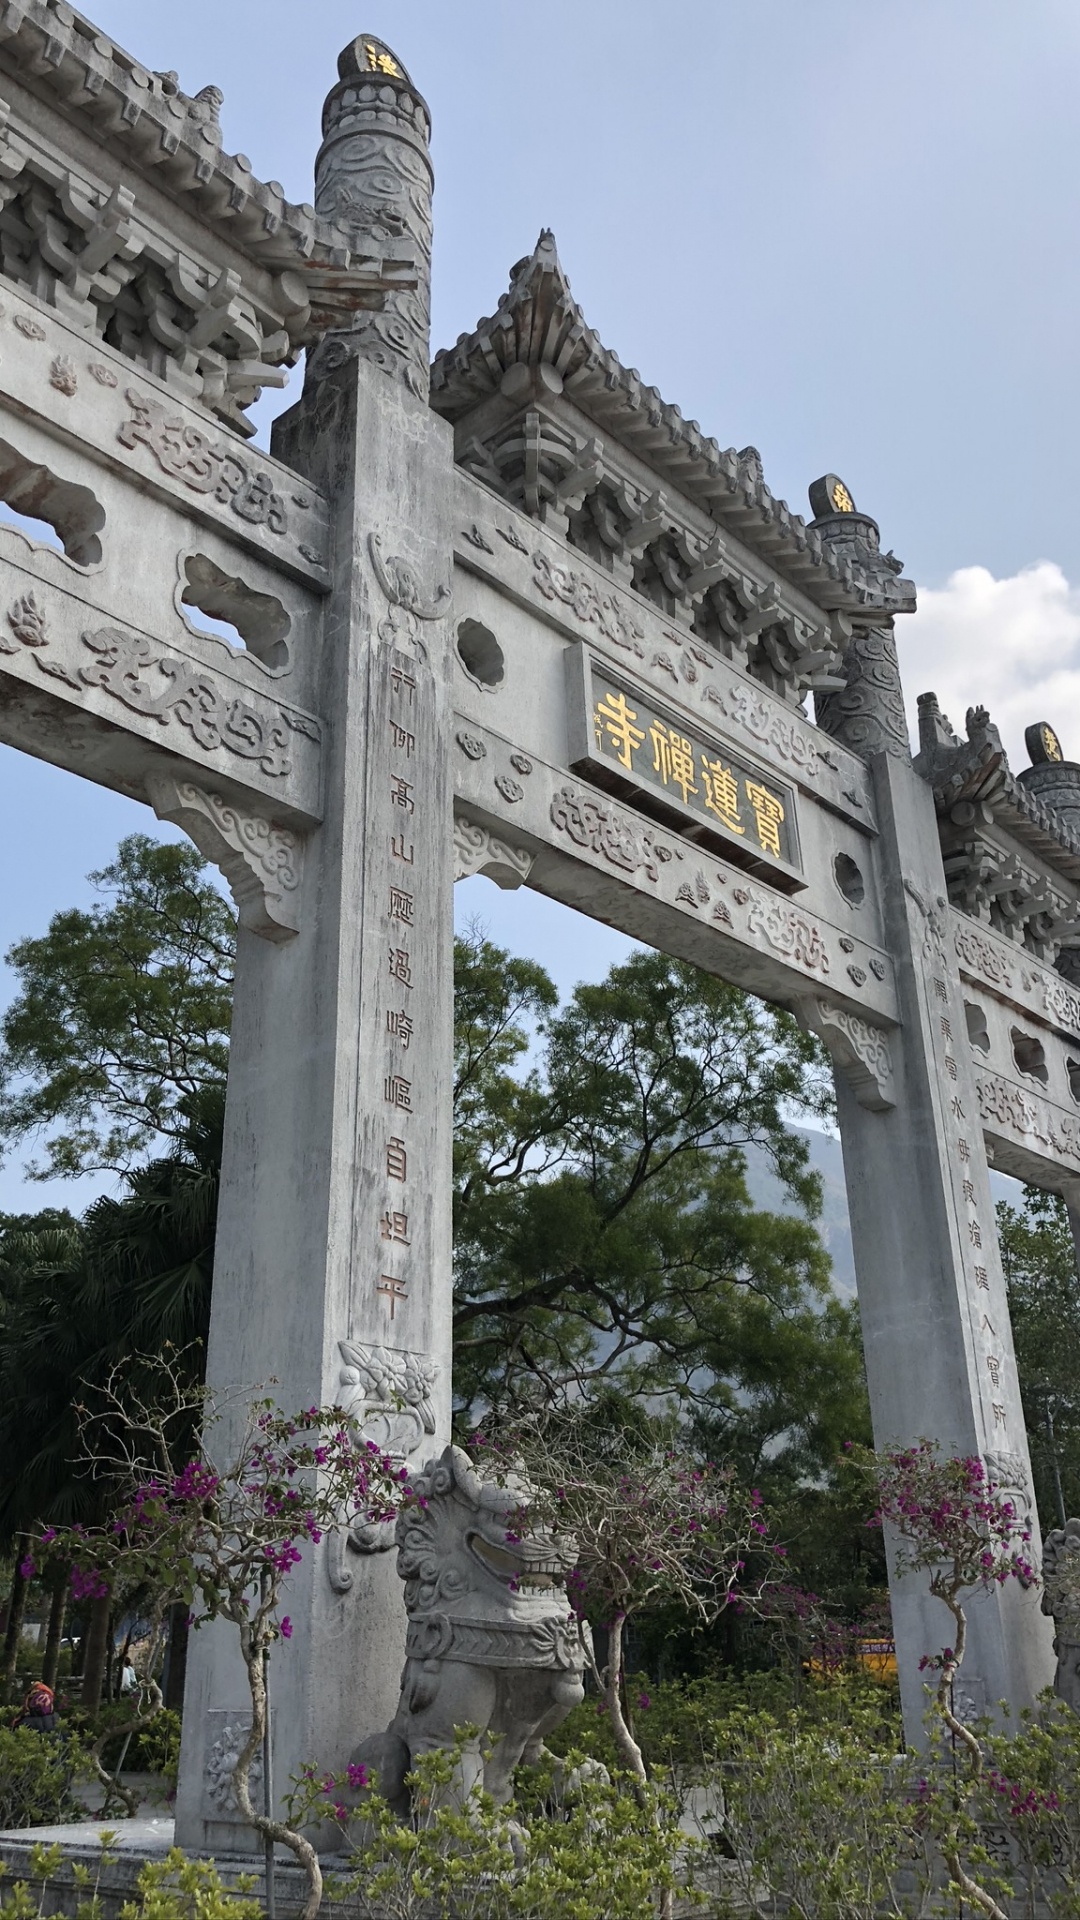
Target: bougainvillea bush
225,1532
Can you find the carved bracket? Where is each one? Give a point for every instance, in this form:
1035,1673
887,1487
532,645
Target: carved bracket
860,1049
263,864
478,851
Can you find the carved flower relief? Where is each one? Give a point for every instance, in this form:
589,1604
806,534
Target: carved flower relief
62,375
471,746
27,622
30,328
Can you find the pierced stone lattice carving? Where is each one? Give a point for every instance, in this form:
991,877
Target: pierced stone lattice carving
263,864
476,850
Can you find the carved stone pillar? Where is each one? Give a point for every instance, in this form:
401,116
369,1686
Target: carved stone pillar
935,1319
333,1266
374,177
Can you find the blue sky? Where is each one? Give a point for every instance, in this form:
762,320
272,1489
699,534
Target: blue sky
845,234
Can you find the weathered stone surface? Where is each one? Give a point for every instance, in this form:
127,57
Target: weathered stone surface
493,1642
334,1223
524,621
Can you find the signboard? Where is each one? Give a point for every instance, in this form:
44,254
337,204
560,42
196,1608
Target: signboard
622,739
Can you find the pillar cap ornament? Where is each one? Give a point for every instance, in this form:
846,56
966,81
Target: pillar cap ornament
373,84
374,180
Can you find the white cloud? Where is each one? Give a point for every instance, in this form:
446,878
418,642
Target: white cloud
1010,645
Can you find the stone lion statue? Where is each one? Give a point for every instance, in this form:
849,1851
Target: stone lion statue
492,1643
1061,1599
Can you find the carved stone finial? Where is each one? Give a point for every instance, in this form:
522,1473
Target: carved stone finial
373,177
867,715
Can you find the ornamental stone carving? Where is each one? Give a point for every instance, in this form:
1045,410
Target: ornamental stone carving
492,1643
1009,1106
27,622
1060,1002
589,824
389,1393
407,602
263,864
206,466
476,850
786,930
373,177
764,724
604,611
868,716
214,718
220,1764
859,1048
1061,1600
982,957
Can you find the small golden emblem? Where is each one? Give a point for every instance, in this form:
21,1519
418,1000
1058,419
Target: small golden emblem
381,62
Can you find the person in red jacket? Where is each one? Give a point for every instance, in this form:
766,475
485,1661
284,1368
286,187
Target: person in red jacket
39,1709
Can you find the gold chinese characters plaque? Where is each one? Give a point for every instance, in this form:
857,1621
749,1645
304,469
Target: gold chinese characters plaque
725,795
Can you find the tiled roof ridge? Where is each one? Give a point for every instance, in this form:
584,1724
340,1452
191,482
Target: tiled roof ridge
541,321
978,769
172,137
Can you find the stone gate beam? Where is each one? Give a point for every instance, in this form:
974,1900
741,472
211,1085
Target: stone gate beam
333,1264
932,1296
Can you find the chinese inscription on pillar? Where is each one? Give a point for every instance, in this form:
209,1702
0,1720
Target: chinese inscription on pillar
400,907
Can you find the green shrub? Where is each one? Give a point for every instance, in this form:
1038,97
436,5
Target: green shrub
683,1726
36,1770
584,1850
174,1888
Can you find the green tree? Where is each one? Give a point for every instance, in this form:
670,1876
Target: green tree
81,1299
121,1016
1039,1259
603,1224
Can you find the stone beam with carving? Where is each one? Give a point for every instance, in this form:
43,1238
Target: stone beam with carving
477,850
858,1047
263,864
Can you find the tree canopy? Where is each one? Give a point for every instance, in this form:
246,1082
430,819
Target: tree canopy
121,1015
606,1237
1039,1259
604,1227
